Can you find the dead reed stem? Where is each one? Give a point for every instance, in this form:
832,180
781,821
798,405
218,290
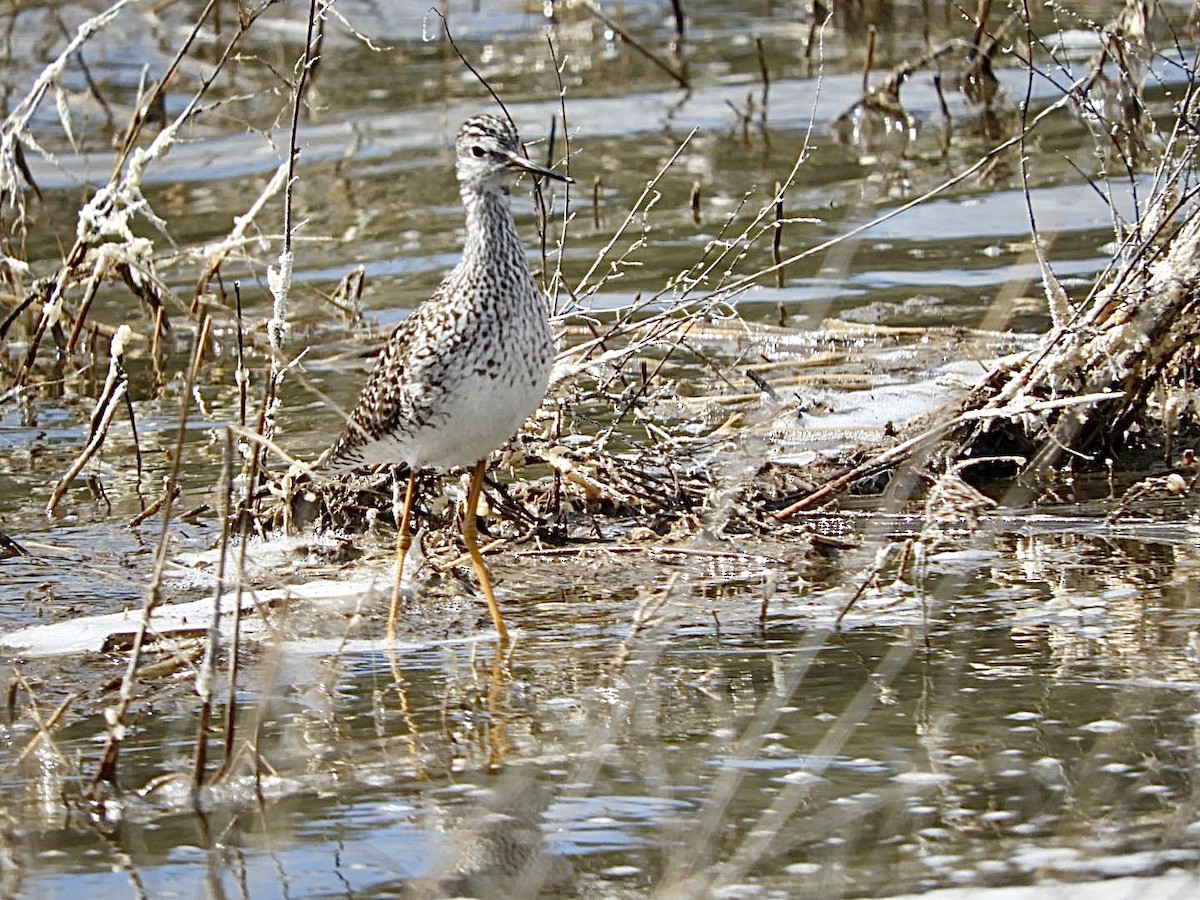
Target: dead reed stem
208,666
115,391
106,773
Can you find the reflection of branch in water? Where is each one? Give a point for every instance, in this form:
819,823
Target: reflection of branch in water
593,9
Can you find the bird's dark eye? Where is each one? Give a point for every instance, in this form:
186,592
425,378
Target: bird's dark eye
477,151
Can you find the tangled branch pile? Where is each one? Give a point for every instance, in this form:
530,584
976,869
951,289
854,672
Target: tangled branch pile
1129,347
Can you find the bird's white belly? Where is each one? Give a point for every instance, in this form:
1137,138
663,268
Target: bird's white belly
476,418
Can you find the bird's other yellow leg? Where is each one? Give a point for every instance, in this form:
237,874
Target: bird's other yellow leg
481,569
403,543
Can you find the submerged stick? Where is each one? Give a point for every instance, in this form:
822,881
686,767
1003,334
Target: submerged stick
777,236
43,728
765,73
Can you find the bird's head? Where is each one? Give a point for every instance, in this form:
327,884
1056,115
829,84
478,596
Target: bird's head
489,155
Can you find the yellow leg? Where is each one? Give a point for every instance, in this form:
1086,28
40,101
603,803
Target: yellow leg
403,543
481,570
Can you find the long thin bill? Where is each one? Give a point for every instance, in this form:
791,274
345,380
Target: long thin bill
528,165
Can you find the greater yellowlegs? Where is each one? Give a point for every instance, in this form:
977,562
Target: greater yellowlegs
461,374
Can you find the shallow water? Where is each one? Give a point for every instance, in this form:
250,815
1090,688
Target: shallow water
1013,704
1026,712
